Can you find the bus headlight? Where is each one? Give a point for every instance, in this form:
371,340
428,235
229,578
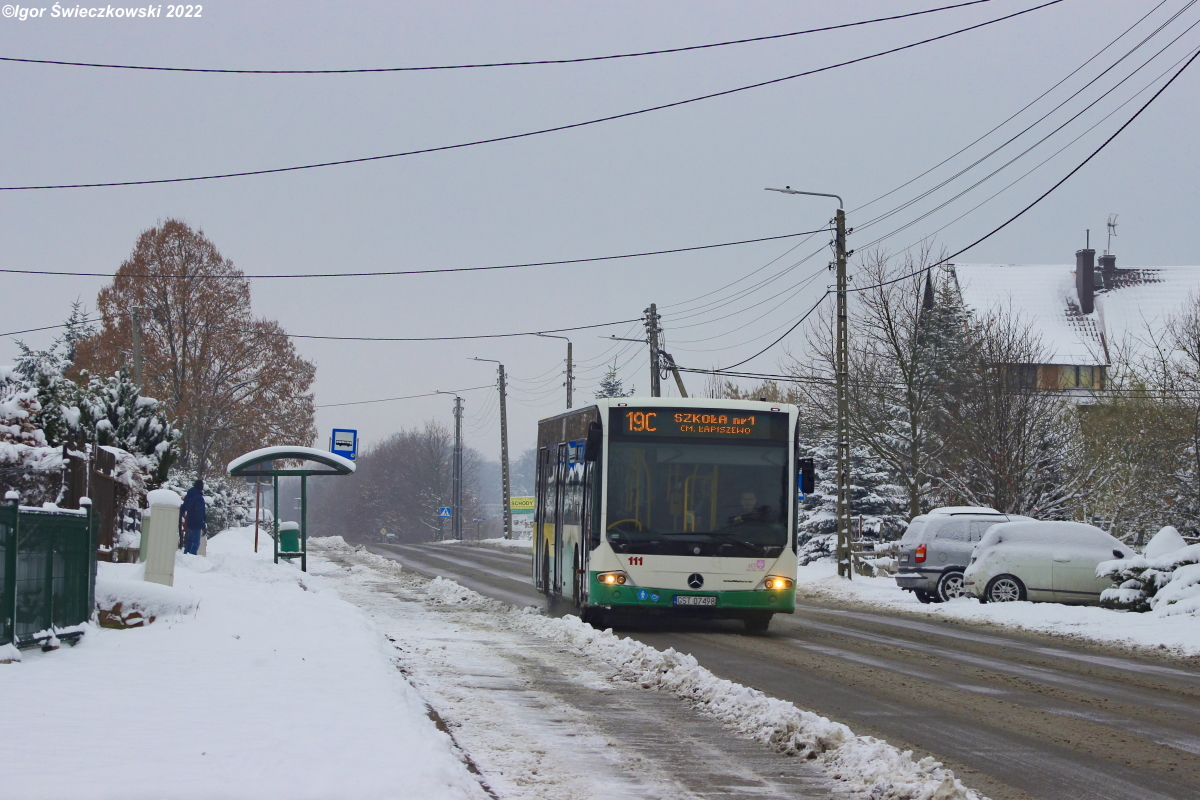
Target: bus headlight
776,583
617,578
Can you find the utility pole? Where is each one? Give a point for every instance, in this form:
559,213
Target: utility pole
136,316
670,364
570,375
504,473
652,332
456,486
845,565
505,485
844,557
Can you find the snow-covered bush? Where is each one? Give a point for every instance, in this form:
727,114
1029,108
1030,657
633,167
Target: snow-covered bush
815,547
1166,576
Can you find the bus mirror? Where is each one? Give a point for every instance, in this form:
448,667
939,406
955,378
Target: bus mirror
808,475
595,434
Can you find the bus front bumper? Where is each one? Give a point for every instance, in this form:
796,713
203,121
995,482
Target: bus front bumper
726,603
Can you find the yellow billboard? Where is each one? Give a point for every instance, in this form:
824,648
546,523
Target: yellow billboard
521,505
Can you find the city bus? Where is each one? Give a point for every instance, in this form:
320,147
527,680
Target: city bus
669,506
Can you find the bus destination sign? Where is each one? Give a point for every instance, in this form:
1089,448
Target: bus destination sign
698,423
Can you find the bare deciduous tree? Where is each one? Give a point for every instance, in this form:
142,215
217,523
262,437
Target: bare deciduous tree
1009,445
231,382
398,486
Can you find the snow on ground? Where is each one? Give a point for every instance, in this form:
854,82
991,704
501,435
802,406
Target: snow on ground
1180,634
865,765
257,680
519,545
251,672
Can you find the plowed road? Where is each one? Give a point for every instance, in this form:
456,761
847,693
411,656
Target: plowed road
1014,716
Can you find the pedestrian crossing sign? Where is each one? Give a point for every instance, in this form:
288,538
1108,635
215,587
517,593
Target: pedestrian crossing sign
444,511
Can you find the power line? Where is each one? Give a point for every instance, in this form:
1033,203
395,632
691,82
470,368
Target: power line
378,338
45,328
560,262
803,317
1045,194
988,235
440,338
539,132
746,292
1022,110
1028,172
406,397
1036,144
487,65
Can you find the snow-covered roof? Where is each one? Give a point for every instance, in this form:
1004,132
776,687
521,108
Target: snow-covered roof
1141,301
338,465
1044,295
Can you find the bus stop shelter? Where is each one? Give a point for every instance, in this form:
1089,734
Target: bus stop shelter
275,462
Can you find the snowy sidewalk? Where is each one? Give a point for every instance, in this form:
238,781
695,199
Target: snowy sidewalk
1178,634
255,681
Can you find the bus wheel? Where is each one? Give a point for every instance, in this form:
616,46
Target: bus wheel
758,623
593,617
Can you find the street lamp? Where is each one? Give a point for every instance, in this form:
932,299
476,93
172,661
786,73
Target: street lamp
570,371
845,566
504,475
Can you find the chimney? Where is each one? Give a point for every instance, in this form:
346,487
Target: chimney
1085,279
1108,268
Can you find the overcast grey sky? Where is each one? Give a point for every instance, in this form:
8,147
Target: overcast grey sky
676,178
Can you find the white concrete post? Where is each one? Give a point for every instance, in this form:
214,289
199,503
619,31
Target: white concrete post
161,537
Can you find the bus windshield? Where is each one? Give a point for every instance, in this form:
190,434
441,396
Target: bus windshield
698,498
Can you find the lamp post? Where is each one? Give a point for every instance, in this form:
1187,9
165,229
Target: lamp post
570,371
845,566
504,476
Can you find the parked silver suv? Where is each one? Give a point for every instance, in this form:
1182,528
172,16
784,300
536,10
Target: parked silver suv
937,546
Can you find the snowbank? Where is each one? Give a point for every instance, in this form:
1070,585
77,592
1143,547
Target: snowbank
1177,632
271,686
126,584
874,766
522,545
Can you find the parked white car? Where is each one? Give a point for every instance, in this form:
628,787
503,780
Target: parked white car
1053,561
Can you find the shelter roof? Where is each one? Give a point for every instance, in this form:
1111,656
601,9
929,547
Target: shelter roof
315,462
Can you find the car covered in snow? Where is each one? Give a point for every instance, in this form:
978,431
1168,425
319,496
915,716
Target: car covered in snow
937,546
1041,560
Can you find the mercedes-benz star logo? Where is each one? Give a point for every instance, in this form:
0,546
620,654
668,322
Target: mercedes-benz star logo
695,580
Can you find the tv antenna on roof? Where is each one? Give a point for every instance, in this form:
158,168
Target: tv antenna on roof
1112,231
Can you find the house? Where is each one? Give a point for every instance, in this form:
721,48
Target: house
1085,314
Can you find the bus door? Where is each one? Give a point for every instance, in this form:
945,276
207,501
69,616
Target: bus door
584,546
542,529
560,479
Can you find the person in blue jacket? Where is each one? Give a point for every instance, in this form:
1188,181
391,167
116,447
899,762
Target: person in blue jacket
193,511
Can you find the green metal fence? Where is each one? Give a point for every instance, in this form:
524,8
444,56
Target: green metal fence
49,582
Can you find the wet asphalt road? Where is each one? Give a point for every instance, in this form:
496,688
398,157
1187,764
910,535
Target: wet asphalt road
1014,716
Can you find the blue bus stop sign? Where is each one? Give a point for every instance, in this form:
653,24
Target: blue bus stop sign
344,442
444,511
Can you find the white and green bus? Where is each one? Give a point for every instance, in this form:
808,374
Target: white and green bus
669,506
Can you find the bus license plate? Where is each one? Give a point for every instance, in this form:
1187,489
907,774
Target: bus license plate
695,600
